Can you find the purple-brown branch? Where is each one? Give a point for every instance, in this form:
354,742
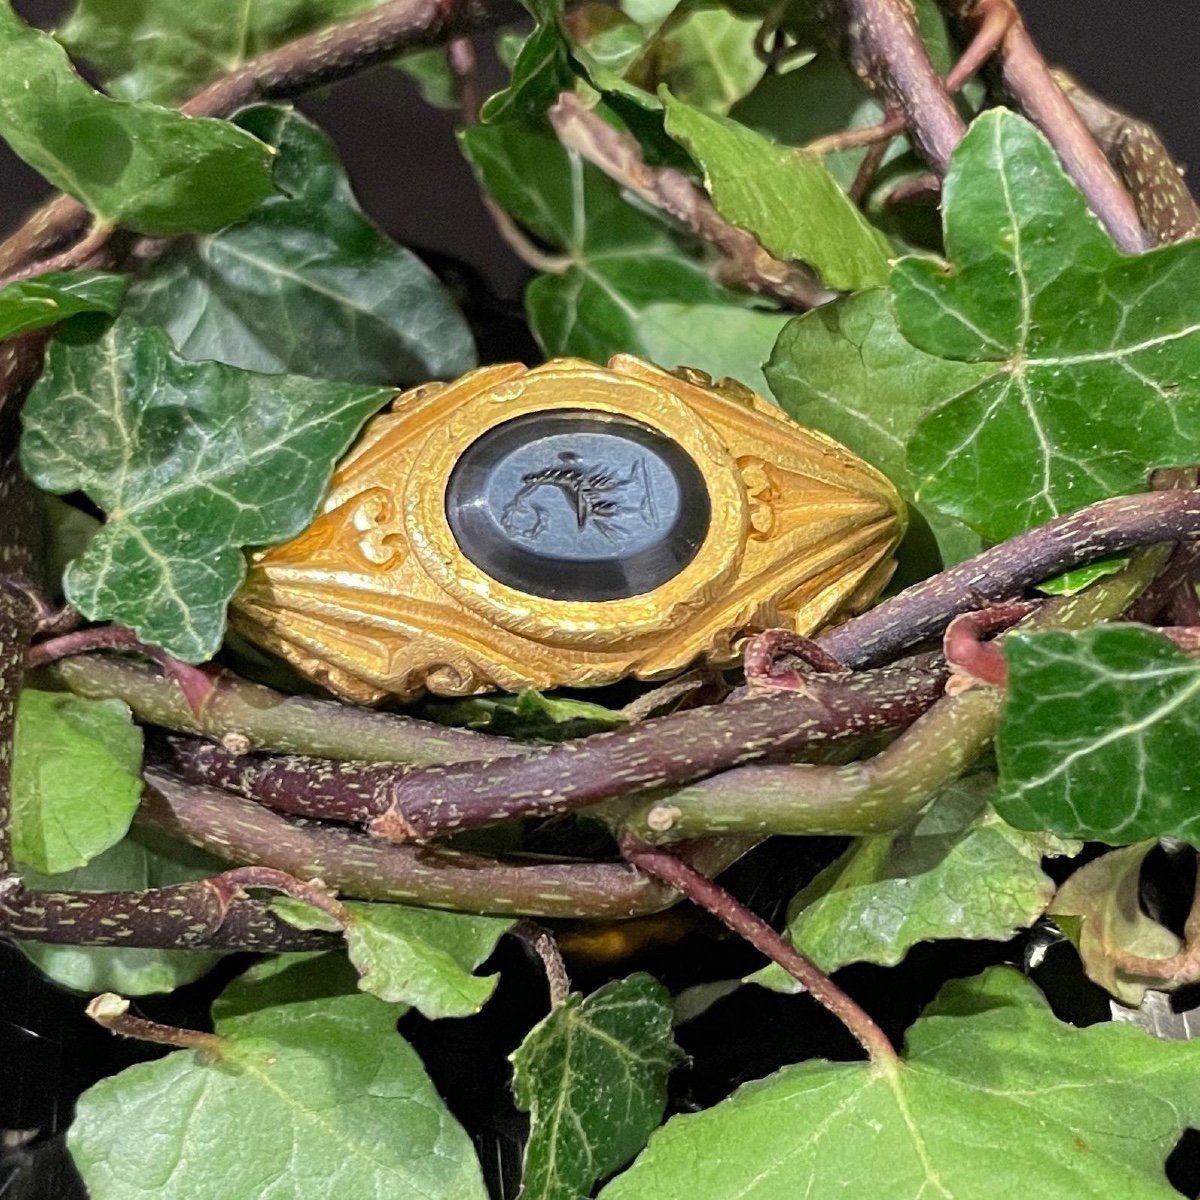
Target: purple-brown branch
418,805
882,43
282,74
922,611
672,870
354,865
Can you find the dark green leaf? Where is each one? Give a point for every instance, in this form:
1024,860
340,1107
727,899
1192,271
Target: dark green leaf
137,165
542,68
593,1077
785,197
191,461
135,863
416,956
53,297
76,779
1094,355
957,871
167,50
1100,735
287,979
317,1098
306,284
994,1097
618,262
846,369
540,715
1099,908
430,71
705,54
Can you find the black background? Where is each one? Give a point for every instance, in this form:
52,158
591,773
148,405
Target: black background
1139,54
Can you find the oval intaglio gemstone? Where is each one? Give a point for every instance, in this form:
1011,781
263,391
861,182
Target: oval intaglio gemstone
565,526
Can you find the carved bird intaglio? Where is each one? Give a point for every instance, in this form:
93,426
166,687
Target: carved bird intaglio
569,524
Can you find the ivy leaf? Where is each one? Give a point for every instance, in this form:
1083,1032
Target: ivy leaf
1100,736
542,68
76,778
1100,911
957,871
617,261
705,54
318,1098
535,715
191,461
1094,355
430,71
306,284
975,1109
593,1077
416,956
846,369
53,297
168,50
148,168
133,864
288,979
785,197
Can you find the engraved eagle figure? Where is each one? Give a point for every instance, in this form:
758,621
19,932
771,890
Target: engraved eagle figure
598,496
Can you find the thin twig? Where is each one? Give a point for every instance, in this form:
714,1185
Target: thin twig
250,716
1029,81
715,899
403,804
619,156
875,795
996,20
923,611
541,941
359,867
1166,206
112,1011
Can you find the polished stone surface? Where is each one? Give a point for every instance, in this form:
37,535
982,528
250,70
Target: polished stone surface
577,505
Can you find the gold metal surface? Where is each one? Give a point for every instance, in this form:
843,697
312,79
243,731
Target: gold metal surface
376,598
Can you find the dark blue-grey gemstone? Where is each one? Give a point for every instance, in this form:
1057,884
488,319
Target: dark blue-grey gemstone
578,505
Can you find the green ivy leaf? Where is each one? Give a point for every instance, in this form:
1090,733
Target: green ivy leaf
976,1109
416,956
53,297
593,1077
288,979
705,54
1094,355
534,715
957,871
191,461
846,369
133,864
1100,735
785,197
430,71
318,1098
618,261
169,49
76,778
148,168
1099,909
542,68
306,284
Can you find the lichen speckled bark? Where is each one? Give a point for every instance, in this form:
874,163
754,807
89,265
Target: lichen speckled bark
356,866
881,42
879,794
418,805
256,717
922,611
